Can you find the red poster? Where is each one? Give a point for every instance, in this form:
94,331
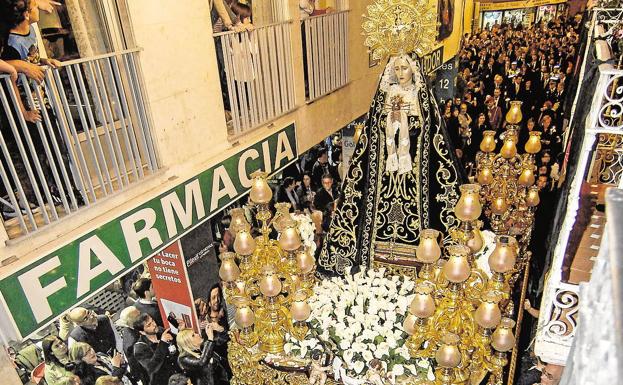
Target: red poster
170,281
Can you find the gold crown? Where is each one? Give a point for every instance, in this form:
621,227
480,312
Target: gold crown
395,27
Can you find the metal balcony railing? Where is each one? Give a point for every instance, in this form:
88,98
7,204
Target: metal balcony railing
258,74
325,45
93,139
599,161
597,355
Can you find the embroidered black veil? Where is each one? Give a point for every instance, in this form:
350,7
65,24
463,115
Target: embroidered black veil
381,206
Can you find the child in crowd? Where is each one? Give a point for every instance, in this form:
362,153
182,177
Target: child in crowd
6,68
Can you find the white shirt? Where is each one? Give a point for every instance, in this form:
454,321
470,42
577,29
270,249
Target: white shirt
306,8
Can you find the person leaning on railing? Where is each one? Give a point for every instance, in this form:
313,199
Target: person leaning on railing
22,52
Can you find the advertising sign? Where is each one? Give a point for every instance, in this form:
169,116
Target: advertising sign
432,60
497,5
200,256
444,82
37,294
170,281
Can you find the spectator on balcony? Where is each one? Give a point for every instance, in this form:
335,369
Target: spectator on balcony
22,52
6,68
308,8
222,16
243,15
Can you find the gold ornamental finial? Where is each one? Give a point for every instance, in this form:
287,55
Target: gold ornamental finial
395,27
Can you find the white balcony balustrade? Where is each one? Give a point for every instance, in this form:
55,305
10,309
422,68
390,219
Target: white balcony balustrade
325,53
93,139
257,73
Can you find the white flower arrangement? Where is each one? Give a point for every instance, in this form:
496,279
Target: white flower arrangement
307,230
360,318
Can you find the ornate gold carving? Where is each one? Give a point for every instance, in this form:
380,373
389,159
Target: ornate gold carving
248,369
394,27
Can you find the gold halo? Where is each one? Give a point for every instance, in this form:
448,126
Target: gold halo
396,27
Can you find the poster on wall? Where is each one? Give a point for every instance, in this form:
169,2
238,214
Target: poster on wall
444,86
445,18
170,281
201,263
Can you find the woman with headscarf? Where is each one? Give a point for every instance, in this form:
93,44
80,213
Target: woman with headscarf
57,364
89,366
403,177
195,357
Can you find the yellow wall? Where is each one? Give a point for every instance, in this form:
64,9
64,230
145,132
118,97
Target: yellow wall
462,22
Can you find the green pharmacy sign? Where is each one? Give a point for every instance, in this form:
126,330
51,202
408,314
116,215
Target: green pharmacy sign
42,291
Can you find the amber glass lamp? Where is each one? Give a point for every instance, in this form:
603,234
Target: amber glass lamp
533,145
261,193
448,358
488,141
423,305
488,314
428,252
509,148
468,209
457,269
514,116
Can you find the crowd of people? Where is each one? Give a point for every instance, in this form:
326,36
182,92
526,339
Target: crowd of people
504,64
89,349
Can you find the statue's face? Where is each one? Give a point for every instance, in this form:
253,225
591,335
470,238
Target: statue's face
403,71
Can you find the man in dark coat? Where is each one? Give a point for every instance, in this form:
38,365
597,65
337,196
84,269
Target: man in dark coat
326,194
155,351
96,330
145,302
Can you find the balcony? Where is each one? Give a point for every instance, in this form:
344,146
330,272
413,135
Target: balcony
258,73
257,67
94,139
325,53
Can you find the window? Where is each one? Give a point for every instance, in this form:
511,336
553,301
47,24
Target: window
80,29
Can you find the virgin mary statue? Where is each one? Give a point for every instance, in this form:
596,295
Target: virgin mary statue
403,175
